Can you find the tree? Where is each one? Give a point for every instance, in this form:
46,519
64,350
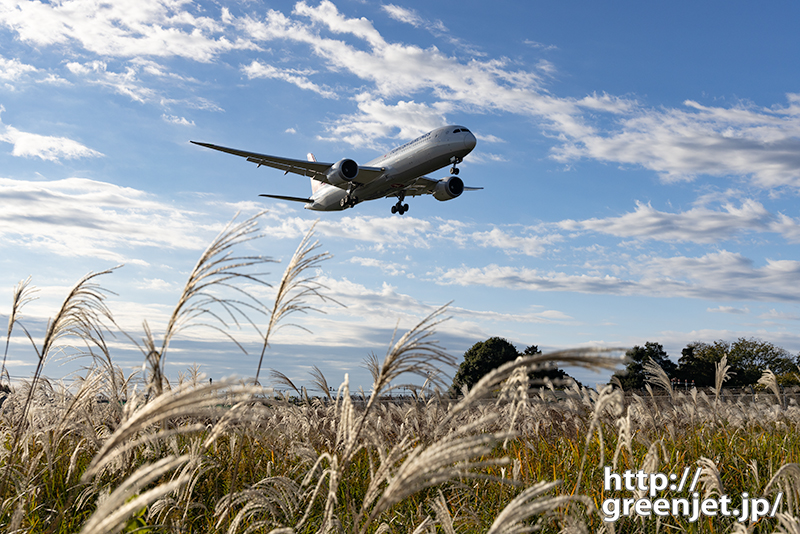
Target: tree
633,377
481,358
748,359
485,356
698,362
751,357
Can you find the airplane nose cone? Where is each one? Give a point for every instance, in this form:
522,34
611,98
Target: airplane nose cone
469,141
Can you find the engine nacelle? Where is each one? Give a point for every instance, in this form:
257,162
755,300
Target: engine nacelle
343,171
448,188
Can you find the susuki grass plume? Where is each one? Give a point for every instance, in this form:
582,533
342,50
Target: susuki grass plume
217,268
101,456
296,287
80,317
22,294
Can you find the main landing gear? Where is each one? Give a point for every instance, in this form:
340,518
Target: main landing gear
455,160
400,207
349,199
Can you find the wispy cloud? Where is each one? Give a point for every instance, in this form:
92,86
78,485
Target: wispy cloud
718,275
14,69
729,309
700,224
531,245
181,121
540,46
124,28
680,144
46,147
257,69
403,89
80,217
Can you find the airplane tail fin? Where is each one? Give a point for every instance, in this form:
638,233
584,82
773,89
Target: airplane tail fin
315,184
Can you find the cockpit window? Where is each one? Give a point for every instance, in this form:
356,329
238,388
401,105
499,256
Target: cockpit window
457,130
465,130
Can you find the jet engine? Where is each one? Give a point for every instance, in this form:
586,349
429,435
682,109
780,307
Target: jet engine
343,171
448,188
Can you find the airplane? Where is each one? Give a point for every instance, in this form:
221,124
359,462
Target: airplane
398,173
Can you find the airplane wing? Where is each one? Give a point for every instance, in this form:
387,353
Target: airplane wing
293,199
314,169
423,186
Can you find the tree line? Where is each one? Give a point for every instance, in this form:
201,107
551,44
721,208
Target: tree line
485,356
748,358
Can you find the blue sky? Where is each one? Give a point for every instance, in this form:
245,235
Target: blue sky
641,166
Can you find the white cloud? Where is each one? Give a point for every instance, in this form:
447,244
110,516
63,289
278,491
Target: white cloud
676,143
126,83
80,217
389,268
540,46
256,69
13,69
182,121
403,89
773,315
51,148
729,309
124,28
531,245
402,14
377,120
679,144
718,275
698,225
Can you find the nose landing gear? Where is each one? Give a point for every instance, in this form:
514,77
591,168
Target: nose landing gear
455,160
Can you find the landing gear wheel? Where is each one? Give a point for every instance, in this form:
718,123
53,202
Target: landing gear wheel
400,207
348,202
455,160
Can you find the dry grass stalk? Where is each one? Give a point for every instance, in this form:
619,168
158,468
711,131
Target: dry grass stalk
295,288
513,519
80,316
769,380
787,480
188,401
396,450
114,511
218,268
22,294
657,376
588,358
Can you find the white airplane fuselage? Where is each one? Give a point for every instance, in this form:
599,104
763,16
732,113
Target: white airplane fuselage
403,165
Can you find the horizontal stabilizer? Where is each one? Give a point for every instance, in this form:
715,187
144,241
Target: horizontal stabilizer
293,199
466,188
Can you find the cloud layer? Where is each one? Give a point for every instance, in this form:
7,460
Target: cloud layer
400,90
76,217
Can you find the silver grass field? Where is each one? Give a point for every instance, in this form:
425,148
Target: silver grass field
507,456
